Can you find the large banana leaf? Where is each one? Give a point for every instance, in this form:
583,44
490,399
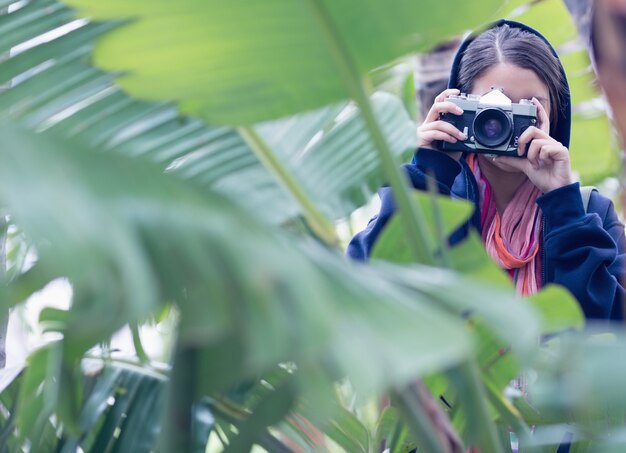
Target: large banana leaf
147,239
53,86
246,62
121,411
577,391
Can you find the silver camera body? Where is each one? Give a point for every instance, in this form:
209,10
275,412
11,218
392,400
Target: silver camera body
492,123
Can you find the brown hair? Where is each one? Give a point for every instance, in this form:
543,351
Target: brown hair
505,44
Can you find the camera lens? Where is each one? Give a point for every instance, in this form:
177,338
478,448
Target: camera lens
492,127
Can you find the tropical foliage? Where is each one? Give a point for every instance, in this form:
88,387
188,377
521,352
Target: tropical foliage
190,161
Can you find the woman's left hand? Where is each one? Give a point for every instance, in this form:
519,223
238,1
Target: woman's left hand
547,164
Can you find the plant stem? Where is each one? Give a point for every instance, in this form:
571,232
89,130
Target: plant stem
413,410
397,438
412,219
181,394
509,412
141,353
320,225
473,401
410,212
4,314
155,370
443,258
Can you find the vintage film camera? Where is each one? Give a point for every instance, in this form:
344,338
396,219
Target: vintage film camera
492,123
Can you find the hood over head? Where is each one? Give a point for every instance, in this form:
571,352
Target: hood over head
563,128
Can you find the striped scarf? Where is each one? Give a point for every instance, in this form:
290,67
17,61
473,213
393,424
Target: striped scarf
512,240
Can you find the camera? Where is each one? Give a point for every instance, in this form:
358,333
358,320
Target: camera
492,123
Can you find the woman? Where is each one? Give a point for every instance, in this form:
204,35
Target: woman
530,212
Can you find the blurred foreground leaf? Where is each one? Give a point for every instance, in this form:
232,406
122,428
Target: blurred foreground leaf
131,239
248,62
443,216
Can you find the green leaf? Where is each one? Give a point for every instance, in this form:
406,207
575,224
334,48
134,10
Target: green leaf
470,258
70,391
36,402
398,78
342,169
512,320
579,375
53,319
580,77
410,358
497,361
96,402
8,435
124,395
558,308
397,442
416,415
110,241
339,58
392,243
267,412
348,431
245,63
479,429
385,426
30,21
332,158
9,375
509,417
140,427
54,87
593,133
529,414
70,45
339,424
71,98
505,438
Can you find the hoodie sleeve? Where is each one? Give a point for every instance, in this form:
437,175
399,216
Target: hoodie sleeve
426,164
585,251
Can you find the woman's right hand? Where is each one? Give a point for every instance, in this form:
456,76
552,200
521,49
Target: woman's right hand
433,128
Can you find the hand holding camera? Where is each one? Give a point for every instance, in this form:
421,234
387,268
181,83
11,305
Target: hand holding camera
547,162
434,130
494,125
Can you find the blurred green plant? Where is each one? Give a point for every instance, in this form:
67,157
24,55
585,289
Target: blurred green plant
228,215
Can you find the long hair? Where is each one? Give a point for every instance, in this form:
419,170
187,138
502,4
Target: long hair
504,44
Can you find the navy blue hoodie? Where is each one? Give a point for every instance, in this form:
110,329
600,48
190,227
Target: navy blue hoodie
584,251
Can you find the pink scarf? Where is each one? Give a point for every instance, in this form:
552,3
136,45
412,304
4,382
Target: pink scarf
512,240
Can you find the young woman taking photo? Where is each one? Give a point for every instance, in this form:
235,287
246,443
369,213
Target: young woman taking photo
529,210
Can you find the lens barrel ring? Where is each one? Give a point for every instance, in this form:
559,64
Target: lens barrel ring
492,127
